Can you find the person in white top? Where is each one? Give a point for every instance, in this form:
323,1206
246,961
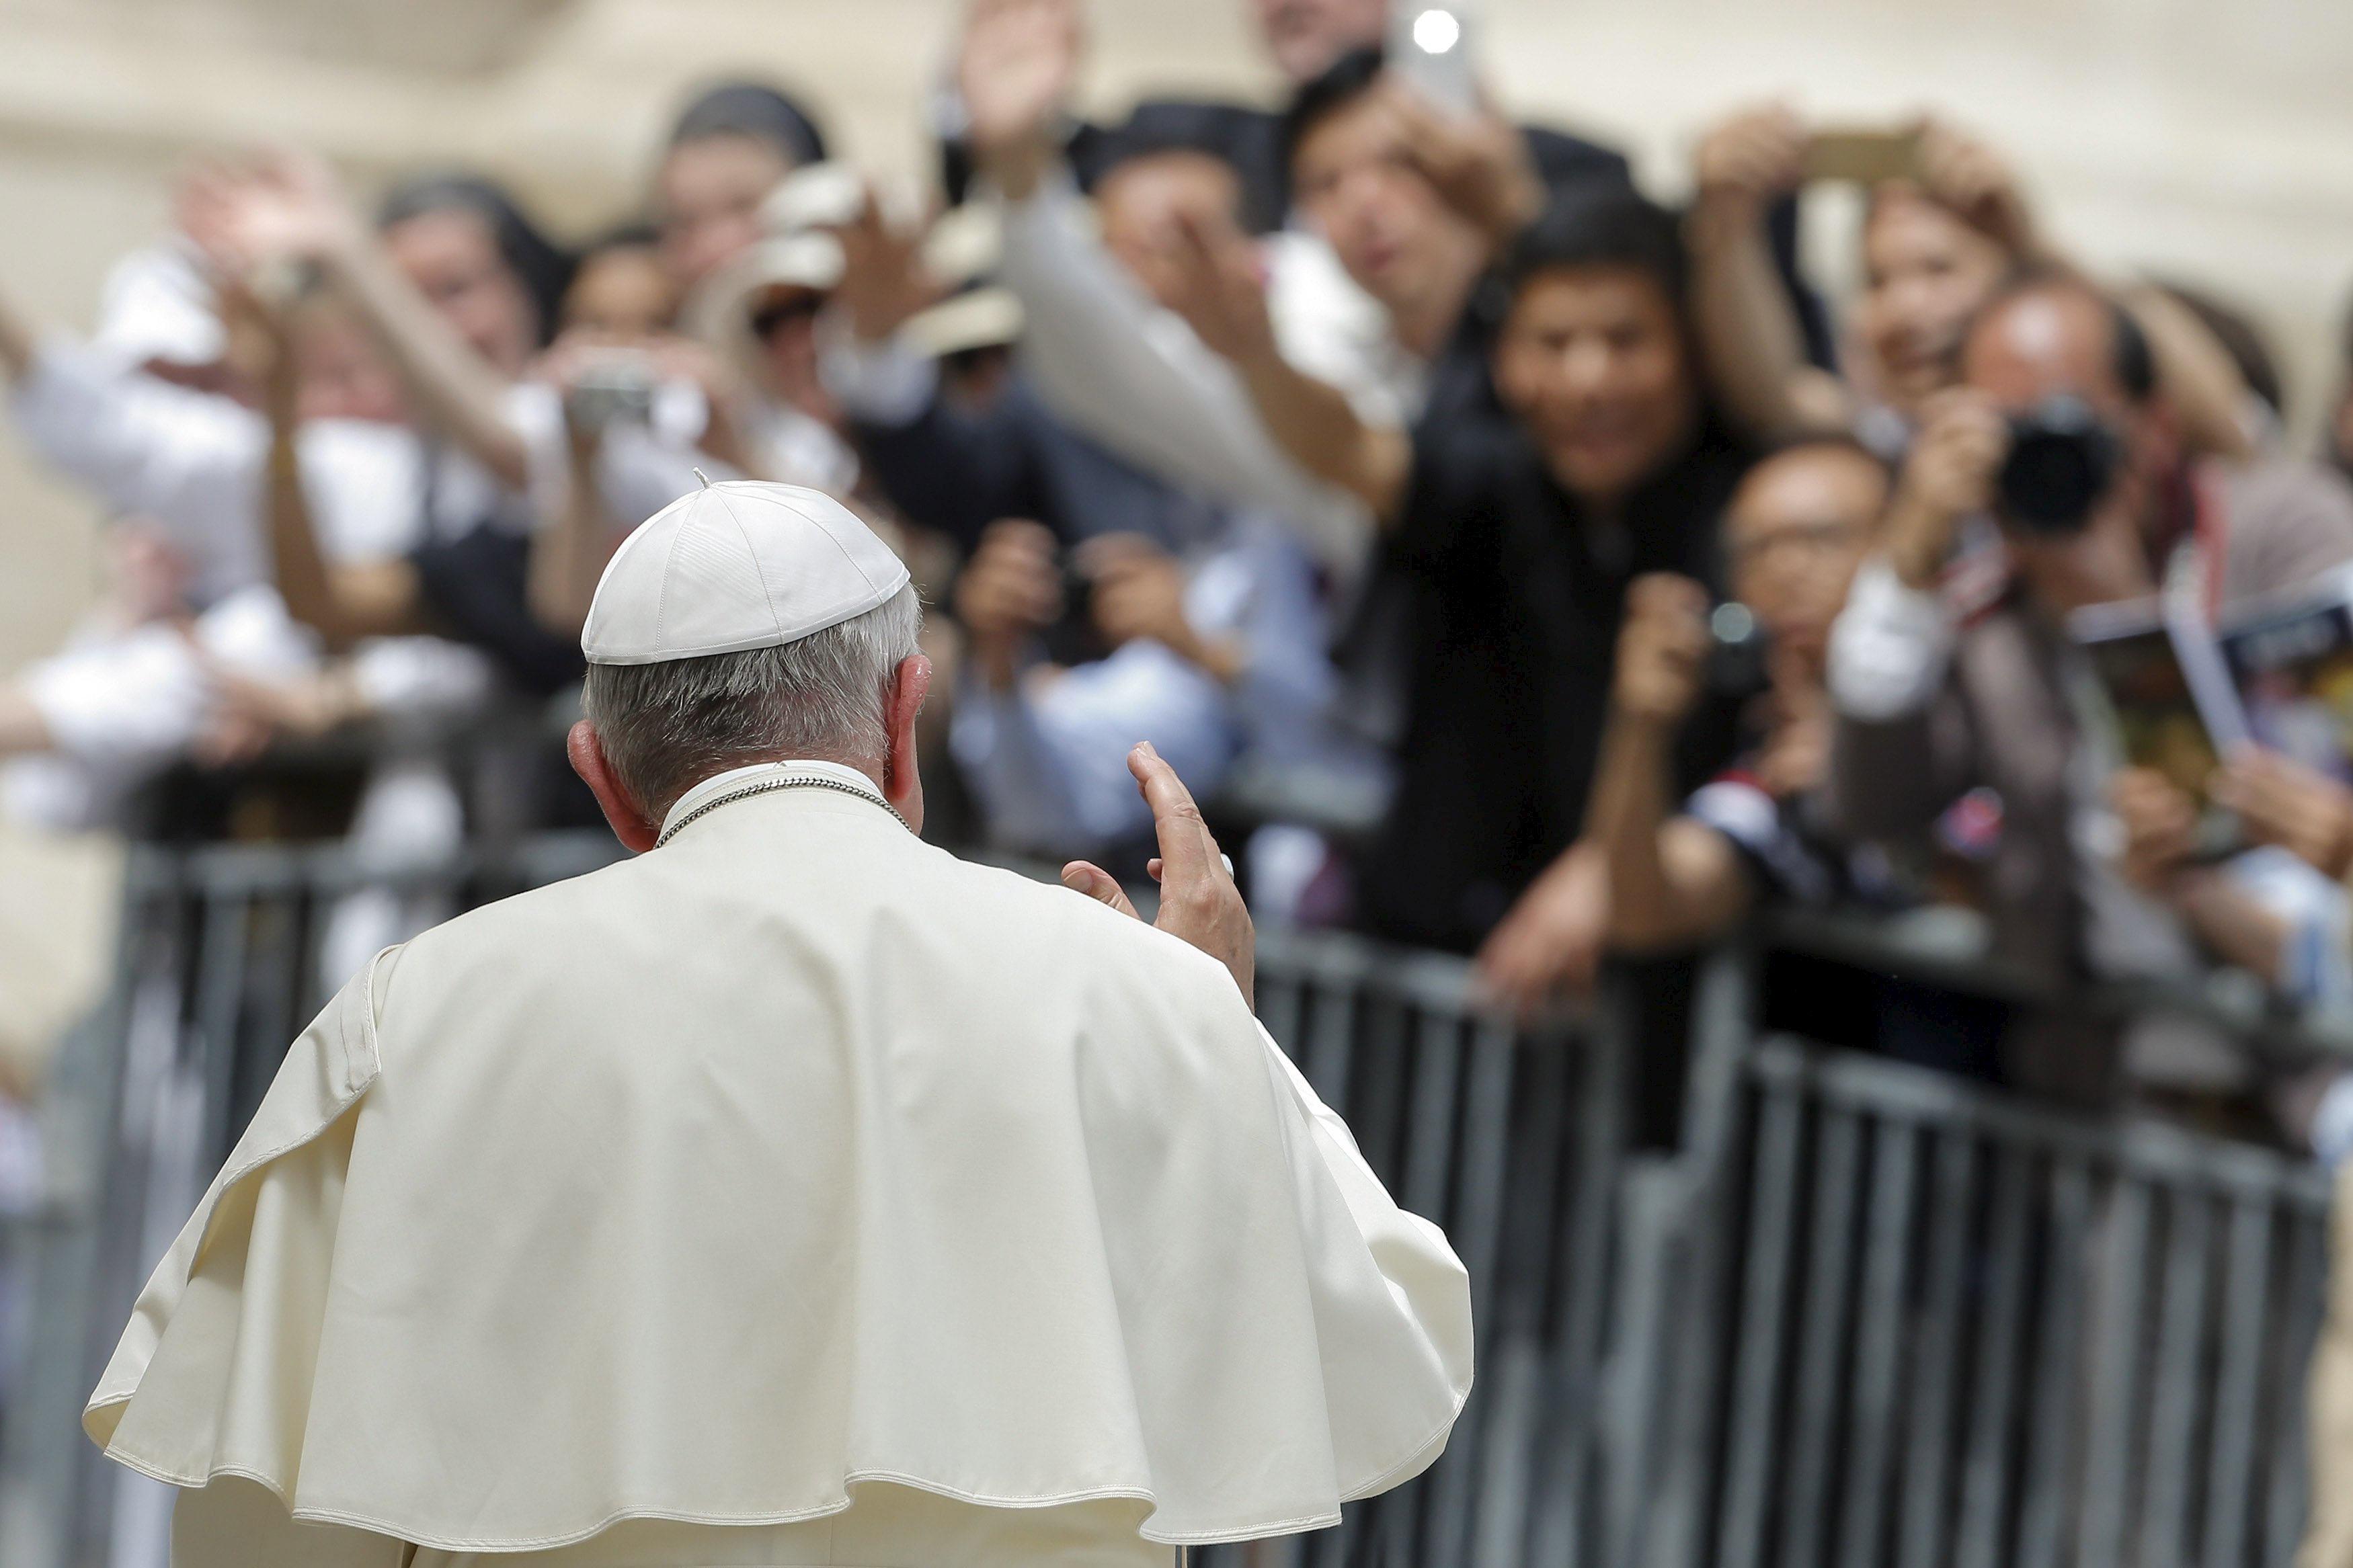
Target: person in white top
1403,209
793,1193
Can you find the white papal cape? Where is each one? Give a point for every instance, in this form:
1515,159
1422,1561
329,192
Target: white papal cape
778,1196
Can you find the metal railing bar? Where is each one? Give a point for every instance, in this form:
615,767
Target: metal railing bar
2120,1255
2052,1439
1998,1366
2179,1383
2246,1290
1936,1355
1887,1235
1762,1330
1823,1330
2302,1302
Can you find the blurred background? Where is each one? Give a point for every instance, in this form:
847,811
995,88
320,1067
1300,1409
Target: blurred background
2209,143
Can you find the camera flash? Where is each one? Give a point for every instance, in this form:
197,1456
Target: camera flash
1435,32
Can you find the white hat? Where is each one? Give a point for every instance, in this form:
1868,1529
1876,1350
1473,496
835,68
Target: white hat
738,565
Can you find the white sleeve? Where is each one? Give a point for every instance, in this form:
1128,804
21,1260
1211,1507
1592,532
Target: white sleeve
190,460
133,701
421,678
1425,1277
1132,377
885,383
1890,647
138,441
1026,798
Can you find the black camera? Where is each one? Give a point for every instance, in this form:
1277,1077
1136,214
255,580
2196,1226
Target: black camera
1737,654
2062,459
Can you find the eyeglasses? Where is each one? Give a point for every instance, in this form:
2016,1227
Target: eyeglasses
1810,539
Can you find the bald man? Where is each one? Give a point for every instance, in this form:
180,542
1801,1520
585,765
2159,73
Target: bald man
1949,667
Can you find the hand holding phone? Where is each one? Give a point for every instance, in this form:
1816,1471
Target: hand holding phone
1862,157
1429,45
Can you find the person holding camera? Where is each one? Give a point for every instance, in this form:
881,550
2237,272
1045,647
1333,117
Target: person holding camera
1647,877
1945,220
1071,658
2060,434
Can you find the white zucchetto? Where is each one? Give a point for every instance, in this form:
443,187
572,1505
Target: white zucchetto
736,565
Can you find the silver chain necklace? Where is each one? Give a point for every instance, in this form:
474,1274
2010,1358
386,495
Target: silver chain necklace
764,786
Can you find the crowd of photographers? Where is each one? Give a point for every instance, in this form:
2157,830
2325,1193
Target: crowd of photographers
1523,568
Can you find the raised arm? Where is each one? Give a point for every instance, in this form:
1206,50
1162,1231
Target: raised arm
1223,299
1102,354
1673,881
2196,373
285,207
1749,338
342,604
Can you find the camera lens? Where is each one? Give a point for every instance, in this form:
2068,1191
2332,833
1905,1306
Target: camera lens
2060,459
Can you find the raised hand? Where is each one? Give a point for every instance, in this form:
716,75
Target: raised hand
1015,71
279,206
883,283
1756,157
1008,591
1199,902
1221,288
1966,175
1948,474
1662,648
1479,163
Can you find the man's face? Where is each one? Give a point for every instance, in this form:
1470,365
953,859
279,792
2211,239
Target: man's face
453,259
1797,527
1352,179
1926,274
1304,37
2050,342
1140,203
1592,362
707,199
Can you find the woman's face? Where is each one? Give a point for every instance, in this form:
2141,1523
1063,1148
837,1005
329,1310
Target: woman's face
708,198
623,295
453,259
1925,272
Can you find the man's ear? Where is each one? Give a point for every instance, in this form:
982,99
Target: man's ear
902,783
636,830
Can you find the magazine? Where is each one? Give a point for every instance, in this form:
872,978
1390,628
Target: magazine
2170,701
2290,659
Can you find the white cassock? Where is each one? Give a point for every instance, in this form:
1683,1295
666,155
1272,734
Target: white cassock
793,1194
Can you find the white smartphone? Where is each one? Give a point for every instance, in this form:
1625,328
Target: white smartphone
1429,45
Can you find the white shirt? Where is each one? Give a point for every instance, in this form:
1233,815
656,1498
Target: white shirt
1048,759
1134,378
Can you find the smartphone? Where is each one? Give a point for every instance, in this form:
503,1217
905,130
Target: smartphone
1429,45
1862,157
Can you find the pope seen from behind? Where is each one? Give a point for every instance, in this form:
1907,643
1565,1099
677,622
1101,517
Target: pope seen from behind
792,1192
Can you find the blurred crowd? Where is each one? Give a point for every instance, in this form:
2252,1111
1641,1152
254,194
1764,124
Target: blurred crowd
1521,567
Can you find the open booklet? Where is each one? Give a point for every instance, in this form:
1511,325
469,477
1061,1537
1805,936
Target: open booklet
2277,671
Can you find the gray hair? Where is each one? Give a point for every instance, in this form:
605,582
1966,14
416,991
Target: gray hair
667,727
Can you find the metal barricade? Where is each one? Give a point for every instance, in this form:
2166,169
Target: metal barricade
1861,1315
